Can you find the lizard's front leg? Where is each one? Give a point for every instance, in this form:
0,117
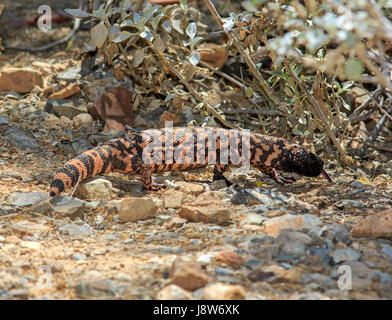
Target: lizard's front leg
274,174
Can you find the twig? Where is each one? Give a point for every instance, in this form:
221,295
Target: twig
319,113
222,74
260,112
369,65
372,96
383,110
77,184
374,146
50,45
375,133
265,89
168,67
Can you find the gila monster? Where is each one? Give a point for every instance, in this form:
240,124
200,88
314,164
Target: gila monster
188,148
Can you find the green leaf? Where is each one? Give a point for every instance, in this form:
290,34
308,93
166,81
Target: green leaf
128,23
353,69
124,35
194,58
77,13
99,34
146,34
183,3
249,92
100,14
159,45
228,24
191,30
114,31
278,73
155,21
195,41
136,18
167,26
297,132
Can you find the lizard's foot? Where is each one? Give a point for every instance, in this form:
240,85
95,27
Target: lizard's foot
155,186
282,180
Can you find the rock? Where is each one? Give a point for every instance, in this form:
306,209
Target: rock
317,280
133,209
20,139
293,248
188,275
12,95
173,199
20,80
99,289
302,206
218,184
347,203
83,119
204,258
274,226
275,274
73,229
387,251
98,188
253,219
19,294
25,199
212,195
114,108
66,92
3,124
342,255
377,225
336,233
267,198
30,245
64,108
43,207
223,271
221,291
168,116
68,207
79,256
175,222
229,257
209,211
193,188
308,296
162,219
70,74
80,145
294,237
252,263
24,227
294,242
174,292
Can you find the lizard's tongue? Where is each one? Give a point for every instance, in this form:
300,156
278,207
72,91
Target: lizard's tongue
326,176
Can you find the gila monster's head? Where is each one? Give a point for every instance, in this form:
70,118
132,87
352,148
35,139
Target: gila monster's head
303,162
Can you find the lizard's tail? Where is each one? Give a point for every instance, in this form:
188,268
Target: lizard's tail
87,164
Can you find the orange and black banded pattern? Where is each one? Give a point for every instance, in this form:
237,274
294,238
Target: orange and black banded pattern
156,151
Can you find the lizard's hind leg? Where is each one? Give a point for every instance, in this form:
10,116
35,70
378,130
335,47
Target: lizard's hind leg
219,169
